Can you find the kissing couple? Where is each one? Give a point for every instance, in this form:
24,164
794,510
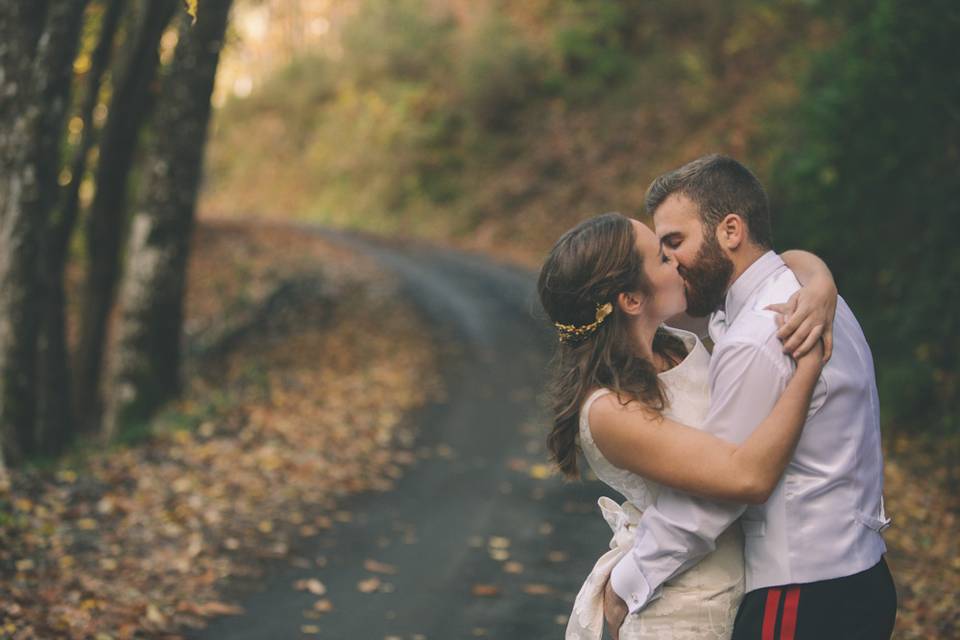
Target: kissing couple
752,474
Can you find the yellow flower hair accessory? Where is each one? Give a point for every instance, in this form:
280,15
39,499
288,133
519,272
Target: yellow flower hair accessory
569,332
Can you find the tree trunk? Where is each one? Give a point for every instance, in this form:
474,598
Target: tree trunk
37,45
57,422
144,368
54,417
130,106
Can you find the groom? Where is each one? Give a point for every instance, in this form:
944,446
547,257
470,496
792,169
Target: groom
813,551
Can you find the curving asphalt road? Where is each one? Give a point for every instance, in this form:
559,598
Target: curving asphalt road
437,526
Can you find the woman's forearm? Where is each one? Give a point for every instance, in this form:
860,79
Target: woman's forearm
696,461
807,267
764,455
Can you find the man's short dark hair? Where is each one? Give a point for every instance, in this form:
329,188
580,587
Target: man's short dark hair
718,185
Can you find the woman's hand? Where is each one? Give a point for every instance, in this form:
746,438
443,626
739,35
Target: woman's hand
806,318
810,364
614,610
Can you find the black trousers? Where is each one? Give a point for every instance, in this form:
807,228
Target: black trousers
858,607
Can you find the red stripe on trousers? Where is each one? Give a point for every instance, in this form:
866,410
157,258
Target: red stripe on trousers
791,604
770,613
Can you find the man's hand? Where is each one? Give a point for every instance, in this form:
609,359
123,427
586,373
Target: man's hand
614,610
805,318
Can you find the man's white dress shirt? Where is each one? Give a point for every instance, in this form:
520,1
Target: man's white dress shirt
824,518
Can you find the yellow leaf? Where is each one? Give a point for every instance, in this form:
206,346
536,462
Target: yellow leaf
537,589
499,542
557,556
369,585
499,554
312,585
378,567
485,590
191,9
513,567
87,524
540,471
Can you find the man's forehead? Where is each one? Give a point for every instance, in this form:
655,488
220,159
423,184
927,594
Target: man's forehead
674,215
665,224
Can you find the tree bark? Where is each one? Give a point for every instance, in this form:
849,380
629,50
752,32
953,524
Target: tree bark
57,421
144,368
37,44
132,101
53,417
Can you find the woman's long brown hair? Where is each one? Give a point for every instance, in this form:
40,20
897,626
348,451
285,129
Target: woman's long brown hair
590,265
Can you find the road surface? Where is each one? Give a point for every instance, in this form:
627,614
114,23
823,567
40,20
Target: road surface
482,545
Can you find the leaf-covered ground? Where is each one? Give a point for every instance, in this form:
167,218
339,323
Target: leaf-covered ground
921,481
286,410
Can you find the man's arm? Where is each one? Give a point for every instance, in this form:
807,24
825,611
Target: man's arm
679,529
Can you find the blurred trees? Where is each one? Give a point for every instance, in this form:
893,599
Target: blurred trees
868,176
504,123
63,160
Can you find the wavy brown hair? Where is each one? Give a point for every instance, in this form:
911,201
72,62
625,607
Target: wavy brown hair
590,265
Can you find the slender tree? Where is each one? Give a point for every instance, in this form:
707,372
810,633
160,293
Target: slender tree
144,368
38,41
55,420
134,94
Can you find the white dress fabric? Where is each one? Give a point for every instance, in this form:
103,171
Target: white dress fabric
699,604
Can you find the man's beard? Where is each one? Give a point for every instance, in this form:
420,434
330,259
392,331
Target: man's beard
706,281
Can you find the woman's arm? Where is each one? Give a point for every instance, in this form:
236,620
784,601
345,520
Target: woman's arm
634,438
808,314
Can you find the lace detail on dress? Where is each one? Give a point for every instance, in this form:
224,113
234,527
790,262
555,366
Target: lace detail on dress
638,491
698,604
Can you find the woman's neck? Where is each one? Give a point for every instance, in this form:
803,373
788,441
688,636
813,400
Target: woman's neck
643,334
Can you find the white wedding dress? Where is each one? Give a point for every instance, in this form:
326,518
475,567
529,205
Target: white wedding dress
699,604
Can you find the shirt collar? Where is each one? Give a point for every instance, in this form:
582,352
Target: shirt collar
749,280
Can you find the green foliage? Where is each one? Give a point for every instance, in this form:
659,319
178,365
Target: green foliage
521,118
869,178
499,73
593,44
398,39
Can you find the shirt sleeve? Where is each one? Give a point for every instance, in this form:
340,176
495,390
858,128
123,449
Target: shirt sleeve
679,529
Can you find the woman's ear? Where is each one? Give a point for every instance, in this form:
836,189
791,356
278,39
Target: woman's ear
630,302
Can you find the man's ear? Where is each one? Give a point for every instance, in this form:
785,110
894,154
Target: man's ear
630,302
731,232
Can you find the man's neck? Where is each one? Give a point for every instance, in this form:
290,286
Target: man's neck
742,260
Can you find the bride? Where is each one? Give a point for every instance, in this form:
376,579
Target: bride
632,395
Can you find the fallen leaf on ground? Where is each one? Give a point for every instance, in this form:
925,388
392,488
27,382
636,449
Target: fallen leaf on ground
537,589
369,585
379,567
312,585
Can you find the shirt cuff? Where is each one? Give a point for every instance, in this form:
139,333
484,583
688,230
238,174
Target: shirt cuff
631,585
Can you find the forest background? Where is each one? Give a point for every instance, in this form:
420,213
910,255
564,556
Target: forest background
499,125
489,125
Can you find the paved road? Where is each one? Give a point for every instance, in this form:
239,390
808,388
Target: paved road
446,525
